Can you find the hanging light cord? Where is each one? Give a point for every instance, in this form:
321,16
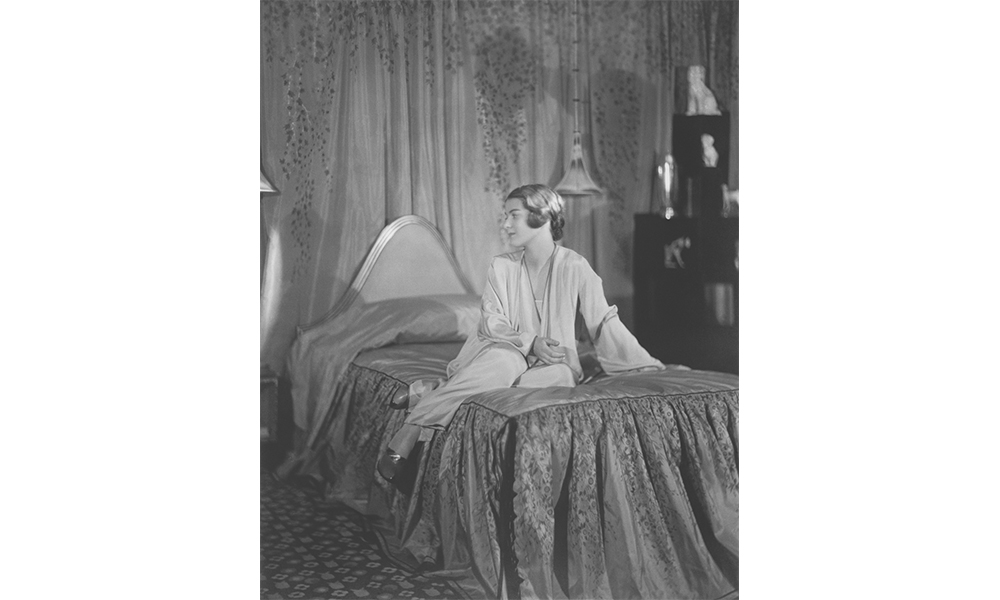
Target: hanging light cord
576,70
576,181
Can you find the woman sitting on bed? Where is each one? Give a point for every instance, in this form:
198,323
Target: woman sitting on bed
527,334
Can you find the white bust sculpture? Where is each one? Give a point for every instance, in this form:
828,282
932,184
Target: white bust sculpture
709,155
701,100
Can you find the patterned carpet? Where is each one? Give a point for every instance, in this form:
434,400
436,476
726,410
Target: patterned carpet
311,549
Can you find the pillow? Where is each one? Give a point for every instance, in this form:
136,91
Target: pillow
443,318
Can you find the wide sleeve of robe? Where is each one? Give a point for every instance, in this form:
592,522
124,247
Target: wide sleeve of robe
495,324
617,349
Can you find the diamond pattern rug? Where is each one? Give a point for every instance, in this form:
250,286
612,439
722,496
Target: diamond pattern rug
313,549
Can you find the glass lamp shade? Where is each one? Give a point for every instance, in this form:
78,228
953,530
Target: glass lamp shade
576,181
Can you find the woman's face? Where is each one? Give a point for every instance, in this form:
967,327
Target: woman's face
515,224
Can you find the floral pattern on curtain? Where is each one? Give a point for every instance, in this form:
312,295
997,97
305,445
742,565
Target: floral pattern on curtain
376,109
505,65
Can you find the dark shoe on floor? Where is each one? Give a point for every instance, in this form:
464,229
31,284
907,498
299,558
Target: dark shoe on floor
390,465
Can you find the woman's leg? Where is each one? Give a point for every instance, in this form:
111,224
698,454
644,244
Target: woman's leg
497,366
405,439
542,375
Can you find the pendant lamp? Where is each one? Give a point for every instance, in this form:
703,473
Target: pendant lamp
576,181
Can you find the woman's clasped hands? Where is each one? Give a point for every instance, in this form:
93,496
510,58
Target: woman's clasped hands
548,350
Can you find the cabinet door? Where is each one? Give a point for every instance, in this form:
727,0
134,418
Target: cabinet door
686,290
721,237
667,283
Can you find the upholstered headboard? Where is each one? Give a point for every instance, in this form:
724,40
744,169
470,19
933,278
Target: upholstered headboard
409,258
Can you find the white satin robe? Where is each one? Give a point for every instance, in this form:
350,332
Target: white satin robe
499,354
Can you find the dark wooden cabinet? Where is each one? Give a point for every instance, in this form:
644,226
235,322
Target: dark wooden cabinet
686,286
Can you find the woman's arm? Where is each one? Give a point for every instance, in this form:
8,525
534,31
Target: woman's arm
617,349
495,324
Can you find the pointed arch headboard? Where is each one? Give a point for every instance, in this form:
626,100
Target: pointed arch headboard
409,258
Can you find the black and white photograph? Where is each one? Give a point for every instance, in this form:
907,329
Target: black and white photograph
504,299
499,299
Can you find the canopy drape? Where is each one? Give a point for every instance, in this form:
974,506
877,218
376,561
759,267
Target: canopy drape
376,109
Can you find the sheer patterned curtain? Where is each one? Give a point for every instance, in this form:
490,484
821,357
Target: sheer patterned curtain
376,109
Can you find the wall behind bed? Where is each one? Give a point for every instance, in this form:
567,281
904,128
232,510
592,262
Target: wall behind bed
373,110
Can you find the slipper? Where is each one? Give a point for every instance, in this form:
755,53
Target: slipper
401,400
390,465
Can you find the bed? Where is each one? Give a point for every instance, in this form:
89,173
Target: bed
625,486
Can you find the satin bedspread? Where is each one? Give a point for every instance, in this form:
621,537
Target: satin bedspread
627,487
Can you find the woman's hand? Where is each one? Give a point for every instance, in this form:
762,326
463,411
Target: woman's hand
548,350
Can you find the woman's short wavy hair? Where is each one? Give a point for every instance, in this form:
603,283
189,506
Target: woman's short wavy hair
543,204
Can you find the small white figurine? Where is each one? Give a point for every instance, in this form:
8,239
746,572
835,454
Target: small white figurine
701,100
709,155
672,253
